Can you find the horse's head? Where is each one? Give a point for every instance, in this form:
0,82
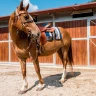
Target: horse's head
24,22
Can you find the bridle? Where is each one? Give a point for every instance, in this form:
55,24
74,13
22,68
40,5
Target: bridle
18,16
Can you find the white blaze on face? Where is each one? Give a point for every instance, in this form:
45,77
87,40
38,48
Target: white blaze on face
31,6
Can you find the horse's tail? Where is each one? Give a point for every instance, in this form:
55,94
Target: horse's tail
70,57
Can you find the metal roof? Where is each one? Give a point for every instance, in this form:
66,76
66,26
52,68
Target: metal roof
61,9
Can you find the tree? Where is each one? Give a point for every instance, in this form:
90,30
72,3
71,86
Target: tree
93,0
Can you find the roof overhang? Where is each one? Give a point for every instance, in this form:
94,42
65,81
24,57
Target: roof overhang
61,9
67,8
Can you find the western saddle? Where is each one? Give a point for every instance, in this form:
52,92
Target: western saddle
44,29
43,38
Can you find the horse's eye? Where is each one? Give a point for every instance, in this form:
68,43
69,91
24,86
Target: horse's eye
26,17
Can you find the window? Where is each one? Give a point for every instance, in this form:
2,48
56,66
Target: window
82,13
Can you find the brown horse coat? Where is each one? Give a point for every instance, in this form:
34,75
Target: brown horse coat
24,34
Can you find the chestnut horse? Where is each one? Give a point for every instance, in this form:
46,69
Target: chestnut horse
26,35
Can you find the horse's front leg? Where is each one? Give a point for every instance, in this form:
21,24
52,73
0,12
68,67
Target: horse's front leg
37,68
25,83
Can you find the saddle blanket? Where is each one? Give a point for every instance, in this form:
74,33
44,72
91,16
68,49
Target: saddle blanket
56,35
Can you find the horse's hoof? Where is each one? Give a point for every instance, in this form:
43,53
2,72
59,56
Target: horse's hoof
39,89
22,92
62,81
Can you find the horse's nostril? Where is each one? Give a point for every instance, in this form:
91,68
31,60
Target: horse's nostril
28,31
38,34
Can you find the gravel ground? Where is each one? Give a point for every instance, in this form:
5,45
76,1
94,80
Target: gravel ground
83,83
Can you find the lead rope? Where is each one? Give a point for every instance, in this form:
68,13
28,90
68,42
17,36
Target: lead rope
32,57
29,45
30,52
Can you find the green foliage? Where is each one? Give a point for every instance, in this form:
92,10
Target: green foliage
93,0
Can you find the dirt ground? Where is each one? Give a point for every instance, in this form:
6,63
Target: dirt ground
83,83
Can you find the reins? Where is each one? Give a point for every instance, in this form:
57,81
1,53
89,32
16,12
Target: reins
29,45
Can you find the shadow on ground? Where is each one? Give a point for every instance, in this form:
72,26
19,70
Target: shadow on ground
53,80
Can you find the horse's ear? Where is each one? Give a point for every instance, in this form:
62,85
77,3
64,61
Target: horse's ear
27,7
21,5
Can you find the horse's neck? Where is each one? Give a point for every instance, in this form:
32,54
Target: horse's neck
16,35
12,29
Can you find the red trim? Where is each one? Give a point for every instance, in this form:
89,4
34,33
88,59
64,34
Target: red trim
4,18
68,8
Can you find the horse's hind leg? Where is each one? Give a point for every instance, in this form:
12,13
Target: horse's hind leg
25,83
37,68
63,52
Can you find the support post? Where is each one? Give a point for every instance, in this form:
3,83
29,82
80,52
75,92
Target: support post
54,55
88,42
9,49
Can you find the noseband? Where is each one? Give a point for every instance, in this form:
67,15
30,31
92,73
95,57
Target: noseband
18,17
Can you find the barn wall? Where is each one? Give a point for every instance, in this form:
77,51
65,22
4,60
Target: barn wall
4,45
82,31
93,42
77,29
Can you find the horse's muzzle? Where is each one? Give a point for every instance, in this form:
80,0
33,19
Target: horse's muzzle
34,36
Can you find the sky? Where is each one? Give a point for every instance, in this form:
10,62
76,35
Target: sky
9,6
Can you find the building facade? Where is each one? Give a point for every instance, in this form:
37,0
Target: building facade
78,20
